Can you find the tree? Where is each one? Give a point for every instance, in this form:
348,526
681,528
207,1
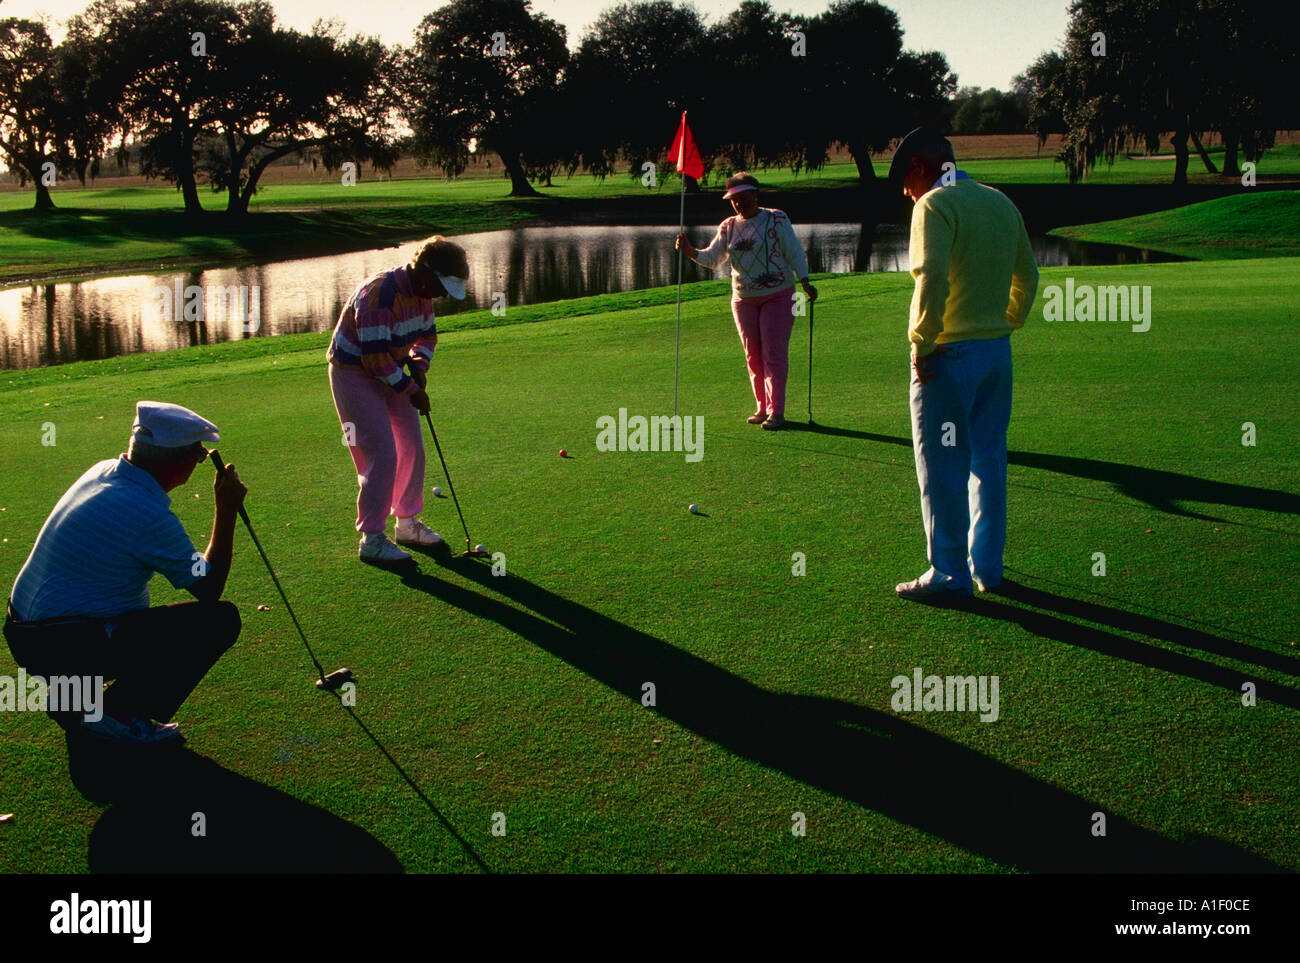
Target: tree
87,111
30,129
976,111
1171,67
1043,83
863,90
754,89
638,67
488,70
1250,71
167,58
287,92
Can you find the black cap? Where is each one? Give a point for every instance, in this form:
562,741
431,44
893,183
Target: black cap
915,141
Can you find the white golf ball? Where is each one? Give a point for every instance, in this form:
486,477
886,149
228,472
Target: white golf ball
436,491
479,548
695,509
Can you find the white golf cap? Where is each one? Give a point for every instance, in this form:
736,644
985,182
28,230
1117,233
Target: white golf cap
454,286
170,426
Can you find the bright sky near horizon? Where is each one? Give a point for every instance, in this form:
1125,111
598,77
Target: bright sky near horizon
986,44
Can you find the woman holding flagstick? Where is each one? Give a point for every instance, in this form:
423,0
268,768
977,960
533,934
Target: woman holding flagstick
766,260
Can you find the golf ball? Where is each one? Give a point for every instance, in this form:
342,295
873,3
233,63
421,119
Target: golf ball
436,491
479,548
564,453
695,509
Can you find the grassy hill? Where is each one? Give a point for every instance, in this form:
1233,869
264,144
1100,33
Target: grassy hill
1242,226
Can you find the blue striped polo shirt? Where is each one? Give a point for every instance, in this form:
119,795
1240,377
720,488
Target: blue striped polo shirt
107,536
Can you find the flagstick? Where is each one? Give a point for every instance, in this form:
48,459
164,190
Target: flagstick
677,354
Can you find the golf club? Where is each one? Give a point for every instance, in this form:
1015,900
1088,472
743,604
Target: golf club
811,306
469,545
327,683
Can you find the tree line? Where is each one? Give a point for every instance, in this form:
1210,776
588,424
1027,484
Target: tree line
213,91
1132,71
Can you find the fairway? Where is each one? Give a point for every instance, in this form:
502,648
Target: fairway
522,694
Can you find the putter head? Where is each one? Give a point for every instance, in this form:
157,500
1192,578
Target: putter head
335,680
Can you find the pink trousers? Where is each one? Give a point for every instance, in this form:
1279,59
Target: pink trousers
386,445
765,324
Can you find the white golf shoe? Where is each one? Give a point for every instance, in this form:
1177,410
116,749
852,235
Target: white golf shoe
375,547
412,531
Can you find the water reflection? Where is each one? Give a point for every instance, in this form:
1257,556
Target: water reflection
56,323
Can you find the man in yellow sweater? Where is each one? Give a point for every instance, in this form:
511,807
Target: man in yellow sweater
975,283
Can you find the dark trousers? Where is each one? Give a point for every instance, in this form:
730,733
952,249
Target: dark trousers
156,656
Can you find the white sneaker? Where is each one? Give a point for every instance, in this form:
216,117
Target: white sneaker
134,731
412,531
375,547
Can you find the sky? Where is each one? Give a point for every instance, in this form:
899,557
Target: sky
986,43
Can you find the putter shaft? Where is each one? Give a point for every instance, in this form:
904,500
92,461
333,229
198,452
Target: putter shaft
220,466
469,545
811,306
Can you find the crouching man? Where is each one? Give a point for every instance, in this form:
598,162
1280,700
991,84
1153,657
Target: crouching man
80,604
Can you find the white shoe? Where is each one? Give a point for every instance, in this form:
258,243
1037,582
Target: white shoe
134,731
375,547
412,531
932,583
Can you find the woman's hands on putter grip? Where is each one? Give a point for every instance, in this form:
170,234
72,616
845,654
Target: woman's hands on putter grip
419,397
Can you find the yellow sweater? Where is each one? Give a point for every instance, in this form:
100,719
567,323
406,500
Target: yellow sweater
975,272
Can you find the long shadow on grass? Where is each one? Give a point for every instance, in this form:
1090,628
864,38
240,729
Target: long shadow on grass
870,758
250,828
1049,626
1151,486
1152,628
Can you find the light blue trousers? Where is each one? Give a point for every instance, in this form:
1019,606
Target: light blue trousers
959,435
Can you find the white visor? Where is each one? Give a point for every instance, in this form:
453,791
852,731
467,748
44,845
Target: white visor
454,286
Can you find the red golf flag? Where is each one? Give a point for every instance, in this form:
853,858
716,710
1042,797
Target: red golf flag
685,154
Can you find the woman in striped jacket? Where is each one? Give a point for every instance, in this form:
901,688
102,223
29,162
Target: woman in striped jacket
386,325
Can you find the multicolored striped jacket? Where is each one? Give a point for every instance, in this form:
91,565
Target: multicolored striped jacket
383,325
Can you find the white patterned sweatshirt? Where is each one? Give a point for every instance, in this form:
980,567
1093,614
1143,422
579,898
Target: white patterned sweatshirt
765,255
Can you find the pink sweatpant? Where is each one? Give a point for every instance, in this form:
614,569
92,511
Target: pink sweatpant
388,449
765,324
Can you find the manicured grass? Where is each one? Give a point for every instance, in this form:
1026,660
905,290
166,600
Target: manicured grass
522,694
1242,226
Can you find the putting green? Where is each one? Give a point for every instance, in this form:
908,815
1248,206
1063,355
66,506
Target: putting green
523,695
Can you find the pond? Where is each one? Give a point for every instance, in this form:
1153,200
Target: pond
54,323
